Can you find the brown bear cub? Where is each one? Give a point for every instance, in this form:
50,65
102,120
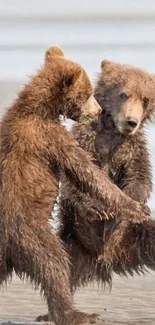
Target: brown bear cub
35,148
118,145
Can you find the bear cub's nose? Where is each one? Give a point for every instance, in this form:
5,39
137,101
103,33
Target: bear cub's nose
132,122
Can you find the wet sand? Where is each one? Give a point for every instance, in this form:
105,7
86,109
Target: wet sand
131,301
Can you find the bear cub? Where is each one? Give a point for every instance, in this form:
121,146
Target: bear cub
118,146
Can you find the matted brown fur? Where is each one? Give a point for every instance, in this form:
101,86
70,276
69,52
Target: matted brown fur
120,149
121,152
35,147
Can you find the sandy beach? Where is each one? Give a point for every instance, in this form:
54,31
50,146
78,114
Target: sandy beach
131,301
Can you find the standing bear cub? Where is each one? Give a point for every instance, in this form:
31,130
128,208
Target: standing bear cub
34,148
118,145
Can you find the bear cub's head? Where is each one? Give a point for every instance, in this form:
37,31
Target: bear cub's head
126,95
65,87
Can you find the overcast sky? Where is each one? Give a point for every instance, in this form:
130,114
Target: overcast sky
75,7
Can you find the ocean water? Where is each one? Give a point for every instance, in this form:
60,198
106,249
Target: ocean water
24,36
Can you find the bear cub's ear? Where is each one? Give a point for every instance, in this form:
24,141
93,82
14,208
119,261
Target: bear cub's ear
71,79
105,63
53,51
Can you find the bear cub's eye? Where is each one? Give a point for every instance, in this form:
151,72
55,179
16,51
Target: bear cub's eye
145,101
123,96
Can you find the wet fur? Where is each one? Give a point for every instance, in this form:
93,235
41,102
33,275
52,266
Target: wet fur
124,158
34,149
